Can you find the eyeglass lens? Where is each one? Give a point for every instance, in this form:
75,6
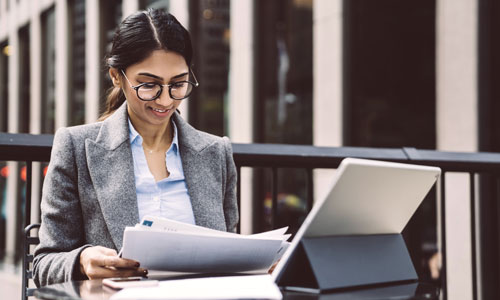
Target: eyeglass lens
177,90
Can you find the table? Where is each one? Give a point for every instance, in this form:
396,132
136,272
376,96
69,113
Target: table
94,290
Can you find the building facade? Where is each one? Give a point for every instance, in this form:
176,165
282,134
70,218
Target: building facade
386,73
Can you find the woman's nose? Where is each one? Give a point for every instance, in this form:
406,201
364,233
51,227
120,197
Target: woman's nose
164,99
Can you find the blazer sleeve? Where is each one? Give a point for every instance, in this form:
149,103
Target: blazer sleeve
61,233
230,202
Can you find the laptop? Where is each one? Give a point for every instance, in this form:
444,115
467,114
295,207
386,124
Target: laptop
366,198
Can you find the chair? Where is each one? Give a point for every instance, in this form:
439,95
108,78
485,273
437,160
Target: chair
28,259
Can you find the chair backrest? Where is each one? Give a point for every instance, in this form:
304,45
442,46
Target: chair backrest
28,259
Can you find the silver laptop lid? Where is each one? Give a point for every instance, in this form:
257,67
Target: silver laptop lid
366,197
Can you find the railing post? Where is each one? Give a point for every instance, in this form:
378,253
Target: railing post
29,178
443,238
238,197
24,267
473,234
310,189
274,191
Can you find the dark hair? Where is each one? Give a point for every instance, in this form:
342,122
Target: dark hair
137,36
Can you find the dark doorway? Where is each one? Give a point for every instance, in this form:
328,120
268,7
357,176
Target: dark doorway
489,140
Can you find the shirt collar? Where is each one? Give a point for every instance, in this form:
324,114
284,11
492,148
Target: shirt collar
135,137
133,134
175,140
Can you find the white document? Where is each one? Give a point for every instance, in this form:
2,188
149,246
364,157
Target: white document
162,244
162,224
231,287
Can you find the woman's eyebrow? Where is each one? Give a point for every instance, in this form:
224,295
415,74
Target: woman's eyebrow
180,75
161,78
150,75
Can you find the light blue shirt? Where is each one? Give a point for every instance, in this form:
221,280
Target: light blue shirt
167,198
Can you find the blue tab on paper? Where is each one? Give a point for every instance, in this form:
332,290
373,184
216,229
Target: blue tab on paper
147,223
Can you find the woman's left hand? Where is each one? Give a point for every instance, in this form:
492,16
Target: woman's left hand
102,262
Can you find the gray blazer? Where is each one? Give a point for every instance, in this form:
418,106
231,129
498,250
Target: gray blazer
89,192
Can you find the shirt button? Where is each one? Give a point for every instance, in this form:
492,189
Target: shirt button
156,198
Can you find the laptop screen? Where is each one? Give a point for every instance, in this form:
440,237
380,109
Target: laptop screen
366,197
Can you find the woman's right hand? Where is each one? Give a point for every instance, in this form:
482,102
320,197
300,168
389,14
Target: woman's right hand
101,262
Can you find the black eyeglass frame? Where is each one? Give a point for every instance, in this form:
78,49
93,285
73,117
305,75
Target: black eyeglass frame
137,87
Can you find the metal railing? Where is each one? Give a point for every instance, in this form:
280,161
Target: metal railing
30,148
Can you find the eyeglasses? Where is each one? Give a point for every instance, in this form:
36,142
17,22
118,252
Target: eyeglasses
150,91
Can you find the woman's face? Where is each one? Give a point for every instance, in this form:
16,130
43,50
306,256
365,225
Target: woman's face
163,67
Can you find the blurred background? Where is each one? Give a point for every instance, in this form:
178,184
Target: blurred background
364,73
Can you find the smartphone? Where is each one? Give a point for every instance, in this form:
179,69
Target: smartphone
125,282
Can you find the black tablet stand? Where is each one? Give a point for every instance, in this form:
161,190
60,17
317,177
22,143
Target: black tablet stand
321,264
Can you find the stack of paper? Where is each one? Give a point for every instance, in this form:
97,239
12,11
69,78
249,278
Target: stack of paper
163,244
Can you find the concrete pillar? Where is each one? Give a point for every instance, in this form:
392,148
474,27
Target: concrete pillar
457,128
13,84
13,127
35,71
62,64
93,61
23,12
241,94
3,20
180,9
129,7
36,102
327,86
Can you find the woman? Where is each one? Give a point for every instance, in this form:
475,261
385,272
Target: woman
141,158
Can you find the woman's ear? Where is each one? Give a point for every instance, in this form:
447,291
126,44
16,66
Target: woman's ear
115,77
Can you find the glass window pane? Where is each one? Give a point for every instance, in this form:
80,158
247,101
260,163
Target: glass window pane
48,71
77,84
389,76
145,4
209,28
390,94
283,103
292,194
24,79
111,17
489,140
4,91
284,72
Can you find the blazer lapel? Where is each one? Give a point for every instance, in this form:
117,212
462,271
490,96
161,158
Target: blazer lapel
111,168
191,143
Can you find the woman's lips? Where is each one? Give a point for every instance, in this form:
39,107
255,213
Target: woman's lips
160,112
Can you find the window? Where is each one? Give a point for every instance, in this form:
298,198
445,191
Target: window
24,79
145,4
77,62
284,77
283,103
4,96
389,92
209,28
48,71
111,16
489,140
4,91
389,73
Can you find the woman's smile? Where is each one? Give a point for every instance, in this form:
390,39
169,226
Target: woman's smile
160,112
